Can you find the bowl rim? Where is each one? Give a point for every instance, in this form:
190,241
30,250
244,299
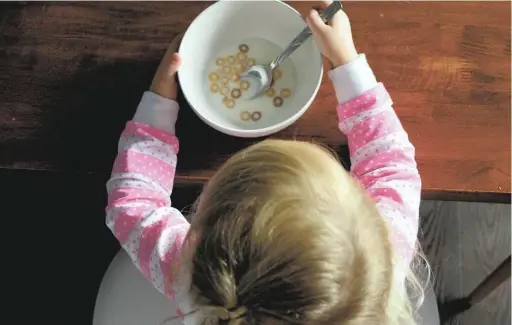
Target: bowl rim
266,130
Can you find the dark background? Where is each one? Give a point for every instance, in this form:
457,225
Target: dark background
56,246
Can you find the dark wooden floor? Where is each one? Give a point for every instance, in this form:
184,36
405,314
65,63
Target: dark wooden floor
57,246
464,242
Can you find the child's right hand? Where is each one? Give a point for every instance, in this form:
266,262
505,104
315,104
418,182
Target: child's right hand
334,39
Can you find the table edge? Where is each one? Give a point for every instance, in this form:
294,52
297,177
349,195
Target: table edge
184,181
426,194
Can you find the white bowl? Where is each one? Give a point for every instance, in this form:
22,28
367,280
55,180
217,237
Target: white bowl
221,28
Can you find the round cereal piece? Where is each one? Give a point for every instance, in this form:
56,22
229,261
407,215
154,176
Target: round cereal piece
251,62
214,88
245,116
224,80
277,101
213,76
226,69
236,93
255,116
241,57
285,93
235,77
244,48
244,84
238,67
277,74
225,90
220,61
230,59
230,103
225,99
271,92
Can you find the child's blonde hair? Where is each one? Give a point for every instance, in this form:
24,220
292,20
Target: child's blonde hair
282,234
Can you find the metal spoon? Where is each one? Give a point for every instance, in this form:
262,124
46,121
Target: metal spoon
262,74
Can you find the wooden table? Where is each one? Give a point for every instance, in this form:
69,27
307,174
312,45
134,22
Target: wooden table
71,75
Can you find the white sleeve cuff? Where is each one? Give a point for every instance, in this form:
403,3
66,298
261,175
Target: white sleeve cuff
352,79
157,111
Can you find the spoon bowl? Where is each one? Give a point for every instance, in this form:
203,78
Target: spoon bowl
261,75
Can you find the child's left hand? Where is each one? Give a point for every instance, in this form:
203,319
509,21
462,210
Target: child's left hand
164,82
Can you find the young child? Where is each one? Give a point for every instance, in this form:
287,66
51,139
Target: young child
281,234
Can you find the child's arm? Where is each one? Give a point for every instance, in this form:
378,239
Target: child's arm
139,211
381,155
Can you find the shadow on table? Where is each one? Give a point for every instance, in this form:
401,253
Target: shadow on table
71,120
87,113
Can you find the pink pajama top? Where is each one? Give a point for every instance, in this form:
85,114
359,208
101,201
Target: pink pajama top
140,213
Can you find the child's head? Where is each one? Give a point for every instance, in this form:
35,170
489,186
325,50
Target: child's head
283,235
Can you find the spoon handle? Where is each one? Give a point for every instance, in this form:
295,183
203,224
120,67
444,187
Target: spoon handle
306,33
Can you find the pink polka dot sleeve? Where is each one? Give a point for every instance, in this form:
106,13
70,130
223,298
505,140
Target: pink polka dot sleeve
139,211
383,161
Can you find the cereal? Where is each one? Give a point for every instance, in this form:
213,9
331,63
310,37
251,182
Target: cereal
238,67
214,88
277,101
243,48
226,79
236,93
255,116
213,76
277,74
242,57
244,84
225,91
226,69
230,103
245,116
285,93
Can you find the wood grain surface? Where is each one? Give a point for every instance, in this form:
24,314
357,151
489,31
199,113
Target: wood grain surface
464,242
71,75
